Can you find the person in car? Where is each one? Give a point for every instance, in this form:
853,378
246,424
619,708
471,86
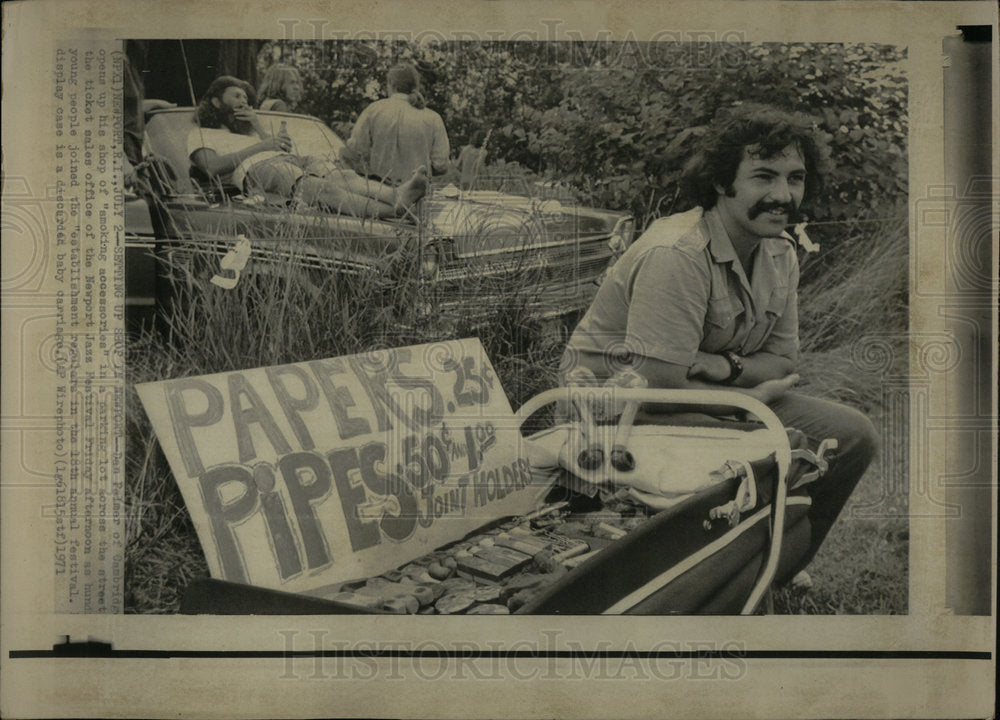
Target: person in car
281,89
708,299
398,134
230,142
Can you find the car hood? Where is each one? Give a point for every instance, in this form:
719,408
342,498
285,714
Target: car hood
479,222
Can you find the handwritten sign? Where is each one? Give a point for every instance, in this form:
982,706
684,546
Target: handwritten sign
301,476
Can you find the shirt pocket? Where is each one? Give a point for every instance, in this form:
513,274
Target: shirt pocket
720,322
773,311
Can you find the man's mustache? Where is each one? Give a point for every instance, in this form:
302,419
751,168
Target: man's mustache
761,207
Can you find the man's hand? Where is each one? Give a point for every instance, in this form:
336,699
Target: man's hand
713,368
709,367
770,390
248,115
352,159
668,375
282,141
757,368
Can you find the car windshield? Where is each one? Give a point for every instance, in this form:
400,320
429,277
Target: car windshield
167,138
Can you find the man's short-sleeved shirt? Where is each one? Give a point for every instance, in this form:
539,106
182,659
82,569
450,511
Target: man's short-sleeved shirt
396,138
223,142
681,288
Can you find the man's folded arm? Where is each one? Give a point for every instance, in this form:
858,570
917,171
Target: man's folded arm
212,163
757,368
661,374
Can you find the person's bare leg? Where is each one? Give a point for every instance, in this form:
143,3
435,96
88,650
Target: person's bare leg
336,197
402,197
352,182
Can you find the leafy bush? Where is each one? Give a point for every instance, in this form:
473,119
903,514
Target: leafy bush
616,120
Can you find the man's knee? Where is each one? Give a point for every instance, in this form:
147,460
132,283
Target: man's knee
327,189
858,436
821,419
274,177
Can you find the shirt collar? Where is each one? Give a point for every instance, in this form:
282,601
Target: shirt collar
719,243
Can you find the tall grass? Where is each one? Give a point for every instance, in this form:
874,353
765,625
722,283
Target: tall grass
288,313
854,295
284,315
856,288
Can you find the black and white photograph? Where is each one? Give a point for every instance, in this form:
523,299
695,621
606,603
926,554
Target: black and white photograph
667,332
418,193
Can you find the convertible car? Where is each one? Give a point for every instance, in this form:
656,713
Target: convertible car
464,249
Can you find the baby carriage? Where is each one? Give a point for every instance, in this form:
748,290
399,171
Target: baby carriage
714,515
732,501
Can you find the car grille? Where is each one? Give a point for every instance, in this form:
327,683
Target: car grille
552,280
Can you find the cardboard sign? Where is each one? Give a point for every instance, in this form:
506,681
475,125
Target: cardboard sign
301,476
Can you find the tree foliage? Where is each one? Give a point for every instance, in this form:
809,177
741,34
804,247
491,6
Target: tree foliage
615,120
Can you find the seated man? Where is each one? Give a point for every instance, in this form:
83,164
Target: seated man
708,299
229,139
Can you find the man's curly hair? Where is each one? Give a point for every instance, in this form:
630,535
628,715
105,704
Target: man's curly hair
762,130
206,114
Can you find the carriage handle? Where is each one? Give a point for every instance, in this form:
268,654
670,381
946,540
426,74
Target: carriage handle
779,440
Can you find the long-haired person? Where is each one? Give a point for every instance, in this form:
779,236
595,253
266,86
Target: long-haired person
281,88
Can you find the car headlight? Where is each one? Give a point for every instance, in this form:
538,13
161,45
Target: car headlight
621,236
430,263
551,208
424,309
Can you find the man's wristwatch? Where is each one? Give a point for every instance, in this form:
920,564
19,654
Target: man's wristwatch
735,366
